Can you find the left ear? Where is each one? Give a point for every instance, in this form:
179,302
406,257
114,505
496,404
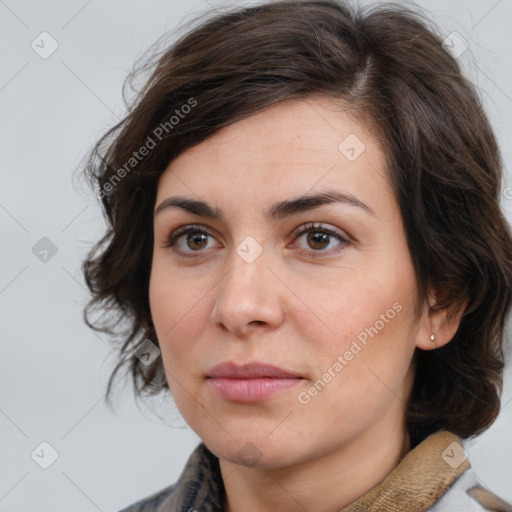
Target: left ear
438,326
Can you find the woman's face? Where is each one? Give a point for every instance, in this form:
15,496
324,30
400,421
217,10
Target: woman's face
297,258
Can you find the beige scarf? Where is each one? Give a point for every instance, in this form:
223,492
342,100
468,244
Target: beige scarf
421,478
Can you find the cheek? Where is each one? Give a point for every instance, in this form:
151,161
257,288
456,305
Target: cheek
354,307
179,312
366,339
361,371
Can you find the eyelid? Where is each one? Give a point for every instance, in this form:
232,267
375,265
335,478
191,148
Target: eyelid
310,226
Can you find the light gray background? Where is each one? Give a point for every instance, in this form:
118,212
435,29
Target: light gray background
53,369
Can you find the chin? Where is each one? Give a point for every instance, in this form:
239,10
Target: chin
254,451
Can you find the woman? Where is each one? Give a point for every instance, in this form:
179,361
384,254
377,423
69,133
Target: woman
304,221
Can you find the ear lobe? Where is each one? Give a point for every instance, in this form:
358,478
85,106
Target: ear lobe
438,326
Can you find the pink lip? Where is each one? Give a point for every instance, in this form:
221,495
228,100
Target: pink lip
255,370
250,382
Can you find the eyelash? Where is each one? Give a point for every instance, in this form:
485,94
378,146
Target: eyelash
198,229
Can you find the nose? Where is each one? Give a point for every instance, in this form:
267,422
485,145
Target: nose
249,297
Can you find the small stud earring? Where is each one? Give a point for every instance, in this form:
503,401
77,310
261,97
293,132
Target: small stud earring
432,337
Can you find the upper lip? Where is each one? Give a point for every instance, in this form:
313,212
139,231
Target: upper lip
253,370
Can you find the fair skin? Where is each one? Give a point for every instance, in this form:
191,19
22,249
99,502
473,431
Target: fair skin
289,308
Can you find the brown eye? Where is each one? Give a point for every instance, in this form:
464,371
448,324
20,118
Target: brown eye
189,239
320,240
197,241
317,240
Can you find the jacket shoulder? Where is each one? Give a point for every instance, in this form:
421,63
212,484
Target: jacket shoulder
467,495
488,500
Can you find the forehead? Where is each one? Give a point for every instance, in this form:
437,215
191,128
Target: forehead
287,149
303,126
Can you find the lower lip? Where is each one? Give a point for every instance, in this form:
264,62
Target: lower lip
250,390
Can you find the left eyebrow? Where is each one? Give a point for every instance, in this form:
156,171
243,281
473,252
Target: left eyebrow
276,212
310,202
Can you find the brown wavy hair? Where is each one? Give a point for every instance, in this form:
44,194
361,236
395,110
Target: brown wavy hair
389,64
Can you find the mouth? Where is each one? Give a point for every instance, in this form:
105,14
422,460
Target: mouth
251,382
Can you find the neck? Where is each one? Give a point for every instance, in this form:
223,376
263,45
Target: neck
324,484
